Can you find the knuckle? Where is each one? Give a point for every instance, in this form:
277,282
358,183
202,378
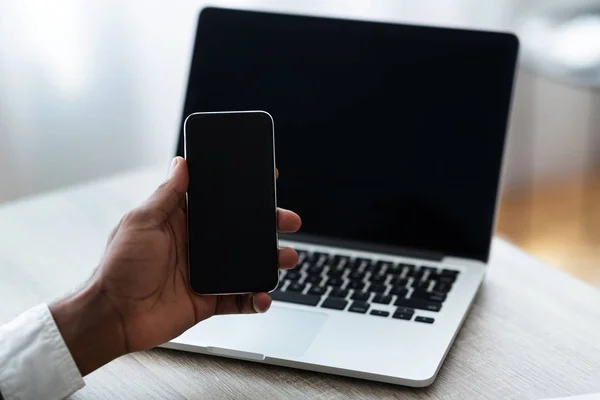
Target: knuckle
168,189
131,216
139,216
173,192
241,301
124,219
163,186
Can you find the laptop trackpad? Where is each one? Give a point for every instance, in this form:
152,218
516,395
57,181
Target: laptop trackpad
280,332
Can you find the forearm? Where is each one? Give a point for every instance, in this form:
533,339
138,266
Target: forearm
90,328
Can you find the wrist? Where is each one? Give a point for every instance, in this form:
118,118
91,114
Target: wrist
90,327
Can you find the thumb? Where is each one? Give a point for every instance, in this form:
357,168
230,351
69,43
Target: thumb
169,196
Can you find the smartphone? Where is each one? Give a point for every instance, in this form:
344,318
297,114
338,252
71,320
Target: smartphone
231,202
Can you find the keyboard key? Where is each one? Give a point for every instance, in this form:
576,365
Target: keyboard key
433,276
339,260
336,272
337,292
419,276
337,267
335,282
313,269
421,285
372,268
446,279
344,263
293,275
312,258
399,282
363,296
410,273
302,256
436,297
394,269
314,279
426,320
380,313
429,269
357,276
449,272
295,287
359,263
405,310
378,278
419,304
359,307
424,293
400,315
334,303
429,296
322,260
297,298
356,285
382,299
442,287
377,287
407,266
376,267
384,265
334,259
317,290
399,291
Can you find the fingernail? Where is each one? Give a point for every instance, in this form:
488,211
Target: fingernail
173,165
255,306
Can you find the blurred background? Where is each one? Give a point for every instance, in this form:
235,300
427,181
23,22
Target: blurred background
89,89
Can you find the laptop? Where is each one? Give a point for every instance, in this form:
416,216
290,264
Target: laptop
389,142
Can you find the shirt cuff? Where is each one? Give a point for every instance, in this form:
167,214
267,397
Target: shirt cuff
35,361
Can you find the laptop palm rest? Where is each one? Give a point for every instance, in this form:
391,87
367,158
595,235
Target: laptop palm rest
281,333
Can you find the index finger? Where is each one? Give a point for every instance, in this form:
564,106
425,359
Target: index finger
288,221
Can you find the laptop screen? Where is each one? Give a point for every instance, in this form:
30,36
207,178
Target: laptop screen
385,134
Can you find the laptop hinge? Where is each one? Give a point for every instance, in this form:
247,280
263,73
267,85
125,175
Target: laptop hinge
356,245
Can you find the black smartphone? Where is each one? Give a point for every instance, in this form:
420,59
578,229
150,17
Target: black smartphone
231,202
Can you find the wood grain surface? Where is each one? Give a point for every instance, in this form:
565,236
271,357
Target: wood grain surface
533,332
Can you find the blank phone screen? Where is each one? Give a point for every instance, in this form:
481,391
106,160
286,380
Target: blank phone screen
231,202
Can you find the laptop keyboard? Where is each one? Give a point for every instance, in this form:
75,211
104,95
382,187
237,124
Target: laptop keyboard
363,285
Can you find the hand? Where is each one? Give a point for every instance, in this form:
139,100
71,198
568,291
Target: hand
139,296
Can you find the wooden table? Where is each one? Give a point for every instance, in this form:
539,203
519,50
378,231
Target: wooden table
534,332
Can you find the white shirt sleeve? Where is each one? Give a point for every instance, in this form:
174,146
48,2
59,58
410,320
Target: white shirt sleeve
35,362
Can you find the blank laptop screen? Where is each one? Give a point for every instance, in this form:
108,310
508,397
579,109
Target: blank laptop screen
385,133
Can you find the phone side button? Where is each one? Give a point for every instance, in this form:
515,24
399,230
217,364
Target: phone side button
245,355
